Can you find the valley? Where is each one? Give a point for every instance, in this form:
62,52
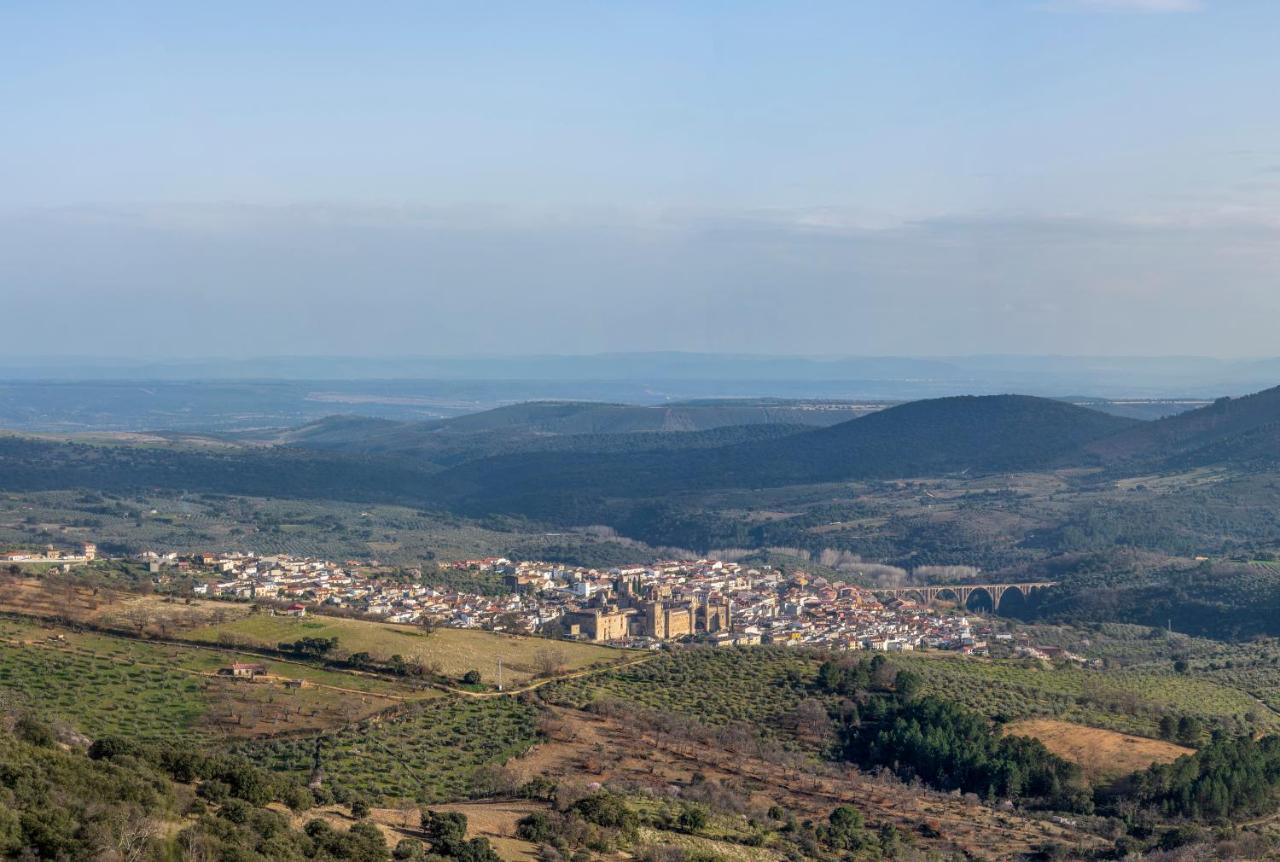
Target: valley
1081,719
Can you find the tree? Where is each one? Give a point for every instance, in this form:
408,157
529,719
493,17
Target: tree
844,829
408,850
908,683
471,677
1190,729
536,828
445,830
606,809
1168,727
550,661
692,818
810,720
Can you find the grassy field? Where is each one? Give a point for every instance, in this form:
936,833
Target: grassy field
102,685
430,753
452,651
1101,754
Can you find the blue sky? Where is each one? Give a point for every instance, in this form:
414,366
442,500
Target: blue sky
1071,176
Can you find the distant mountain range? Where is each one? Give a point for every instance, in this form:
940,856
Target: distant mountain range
559,461
578,426
662,376
923,438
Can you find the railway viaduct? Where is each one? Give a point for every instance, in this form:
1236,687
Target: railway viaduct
962,592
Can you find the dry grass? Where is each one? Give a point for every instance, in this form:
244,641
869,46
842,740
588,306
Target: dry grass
452,651
1100,753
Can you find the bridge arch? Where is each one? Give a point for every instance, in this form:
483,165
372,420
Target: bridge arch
984,591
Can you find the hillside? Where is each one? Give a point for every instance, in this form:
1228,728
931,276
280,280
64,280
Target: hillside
446,444
966,433
1239,431
567,418
926,438
923,438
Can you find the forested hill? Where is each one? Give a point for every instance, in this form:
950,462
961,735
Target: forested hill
1239,431
569,418
425,449
951,435
923,438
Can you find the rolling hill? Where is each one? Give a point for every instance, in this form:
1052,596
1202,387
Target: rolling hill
430,447
922,438
568,418
1230,431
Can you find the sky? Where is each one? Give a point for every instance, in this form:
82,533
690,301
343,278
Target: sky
906,177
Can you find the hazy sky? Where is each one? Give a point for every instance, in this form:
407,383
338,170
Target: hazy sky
896,177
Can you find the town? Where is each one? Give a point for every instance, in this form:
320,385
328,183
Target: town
642,606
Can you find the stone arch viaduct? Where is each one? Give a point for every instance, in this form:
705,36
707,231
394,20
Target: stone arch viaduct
962,592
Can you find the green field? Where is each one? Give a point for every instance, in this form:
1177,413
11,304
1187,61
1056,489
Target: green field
715,685
99,696
429,754
102,685
1131,700
762,684
452,651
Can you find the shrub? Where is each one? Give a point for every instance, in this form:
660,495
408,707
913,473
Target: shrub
606,809
537,827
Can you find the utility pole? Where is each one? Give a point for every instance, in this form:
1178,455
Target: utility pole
499,674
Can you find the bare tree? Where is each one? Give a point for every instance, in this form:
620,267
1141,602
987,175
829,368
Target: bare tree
134,833
810,720
550,661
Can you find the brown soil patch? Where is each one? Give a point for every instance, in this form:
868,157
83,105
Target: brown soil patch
1100,753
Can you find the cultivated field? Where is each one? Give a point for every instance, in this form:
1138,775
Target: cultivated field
450,652
427,752
1101,754
714,685
762,685
100,684
1126,700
